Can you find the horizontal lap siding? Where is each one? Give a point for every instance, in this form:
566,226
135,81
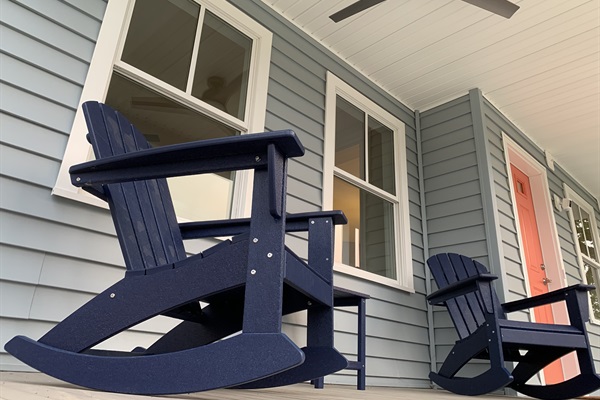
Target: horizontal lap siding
496,123
55,254
45,241
455,216
397,346
451,180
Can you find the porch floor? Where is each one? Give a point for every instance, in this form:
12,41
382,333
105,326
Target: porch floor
37,386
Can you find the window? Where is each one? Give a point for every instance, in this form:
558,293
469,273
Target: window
365,176
585,234
180,70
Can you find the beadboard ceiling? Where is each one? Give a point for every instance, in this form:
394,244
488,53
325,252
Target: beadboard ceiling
541,68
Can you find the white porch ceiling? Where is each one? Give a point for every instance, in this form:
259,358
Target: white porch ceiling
541,68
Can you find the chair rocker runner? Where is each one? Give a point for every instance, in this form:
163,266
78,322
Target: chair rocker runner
249,281
465,288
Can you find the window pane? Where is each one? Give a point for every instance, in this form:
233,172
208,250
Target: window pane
161,38
589,237
367,241
590,278
585,236
381,156
221,77
579,228
349,138
165,122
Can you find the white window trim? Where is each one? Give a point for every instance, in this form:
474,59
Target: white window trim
335,86
106,57
587,207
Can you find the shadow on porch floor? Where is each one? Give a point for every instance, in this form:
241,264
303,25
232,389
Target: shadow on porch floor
36,386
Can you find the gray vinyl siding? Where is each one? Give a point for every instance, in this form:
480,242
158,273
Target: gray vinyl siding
48,265
397,339
495,123
56,254
453,196
451,180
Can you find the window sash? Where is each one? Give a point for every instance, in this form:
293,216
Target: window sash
106,60
196,42
403,257
365,168
184,96
362,182
578,204
179,96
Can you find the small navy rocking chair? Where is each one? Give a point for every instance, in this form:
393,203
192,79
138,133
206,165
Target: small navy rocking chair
465,288
248,282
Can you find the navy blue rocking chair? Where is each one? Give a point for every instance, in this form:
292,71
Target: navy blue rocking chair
465,288
248,282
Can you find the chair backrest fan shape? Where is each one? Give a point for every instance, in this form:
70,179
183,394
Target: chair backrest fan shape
157,240
467,311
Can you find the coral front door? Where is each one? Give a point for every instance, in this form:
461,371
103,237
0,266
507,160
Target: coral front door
536,271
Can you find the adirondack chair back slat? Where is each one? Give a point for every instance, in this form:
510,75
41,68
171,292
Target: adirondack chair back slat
467,311
142,211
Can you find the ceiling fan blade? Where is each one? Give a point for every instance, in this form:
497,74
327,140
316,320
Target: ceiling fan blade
354,8
503,8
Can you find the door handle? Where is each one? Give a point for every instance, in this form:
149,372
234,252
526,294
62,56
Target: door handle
546,281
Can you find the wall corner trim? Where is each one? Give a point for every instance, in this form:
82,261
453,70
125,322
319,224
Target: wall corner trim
428,287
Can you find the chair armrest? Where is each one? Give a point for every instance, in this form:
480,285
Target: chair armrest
459,288
546,298
230,227
214,228
212,155
299,222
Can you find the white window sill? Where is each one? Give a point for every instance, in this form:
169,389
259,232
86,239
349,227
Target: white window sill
369,276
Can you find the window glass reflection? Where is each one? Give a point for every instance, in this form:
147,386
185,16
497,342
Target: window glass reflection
223,65
381,156
160,39
350,138
367,241
583,228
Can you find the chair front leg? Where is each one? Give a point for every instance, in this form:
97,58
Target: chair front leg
320,259
263,302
